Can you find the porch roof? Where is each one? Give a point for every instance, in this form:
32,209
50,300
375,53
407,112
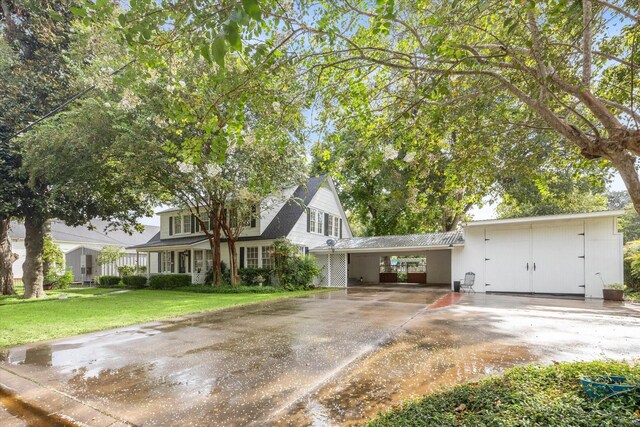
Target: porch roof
407,241
157,242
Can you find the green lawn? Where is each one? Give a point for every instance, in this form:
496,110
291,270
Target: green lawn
89,309
530,395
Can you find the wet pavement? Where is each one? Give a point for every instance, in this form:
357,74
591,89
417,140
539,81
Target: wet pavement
329,359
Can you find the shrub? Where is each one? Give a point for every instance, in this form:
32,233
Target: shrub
248,276
126,270
169,281
134,282
224,272
632,264
108,281
59,280
293,270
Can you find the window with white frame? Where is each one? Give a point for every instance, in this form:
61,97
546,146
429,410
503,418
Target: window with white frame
316,221
252,257
177,224
267,256
333,226
182,224
165,261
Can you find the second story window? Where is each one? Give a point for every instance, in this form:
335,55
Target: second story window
316,221
181,224
177,224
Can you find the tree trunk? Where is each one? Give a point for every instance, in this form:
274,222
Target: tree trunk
32,275
625,163
7,258
233,260
217,256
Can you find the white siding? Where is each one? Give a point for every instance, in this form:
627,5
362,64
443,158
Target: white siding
602,244
325,200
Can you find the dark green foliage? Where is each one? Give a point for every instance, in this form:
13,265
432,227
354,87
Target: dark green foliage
224,273
108,281
293,270
134,282
169,281
530,395
59,280
248,276
126,270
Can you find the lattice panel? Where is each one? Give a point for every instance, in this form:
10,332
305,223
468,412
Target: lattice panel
198,278
338,270
321,260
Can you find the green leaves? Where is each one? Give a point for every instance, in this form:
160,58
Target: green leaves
252,8
218,50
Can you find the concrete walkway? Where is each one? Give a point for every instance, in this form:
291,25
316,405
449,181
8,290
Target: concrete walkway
329,359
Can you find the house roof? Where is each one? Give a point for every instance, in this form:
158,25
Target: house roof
409,241
286,218
280,226
61,232
542,218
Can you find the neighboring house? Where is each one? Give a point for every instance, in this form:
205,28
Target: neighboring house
308,216
573,254
81,247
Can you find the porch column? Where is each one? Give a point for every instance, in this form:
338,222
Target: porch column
149,264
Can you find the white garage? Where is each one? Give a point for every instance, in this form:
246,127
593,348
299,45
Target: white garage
574,254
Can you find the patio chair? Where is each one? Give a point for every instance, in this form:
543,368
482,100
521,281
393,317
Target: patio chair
468,281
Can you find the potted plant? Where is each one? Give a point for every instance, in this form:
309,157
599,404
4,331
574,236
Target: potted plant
613,292
259,280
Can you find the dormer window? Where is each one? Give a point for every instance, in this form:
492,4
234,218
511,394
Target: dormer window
180,224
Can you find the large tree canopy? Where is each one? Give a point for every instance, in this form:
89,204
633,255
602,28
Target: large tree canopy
570,65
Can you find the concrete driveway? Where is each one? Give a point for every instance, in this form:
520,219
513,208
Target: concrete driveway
330,359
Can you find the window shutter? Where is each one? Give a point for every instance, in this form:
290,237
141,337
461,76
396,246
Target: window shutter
340,233
170,226
308,220
326,224
254,210
193,223
159,263
306,250
173,259
241,257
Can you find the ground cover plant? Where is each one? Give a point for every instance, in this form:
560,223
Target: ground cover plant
531,395
84,310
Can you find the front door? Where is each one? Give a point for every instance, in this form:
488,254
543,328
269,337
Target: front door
184,262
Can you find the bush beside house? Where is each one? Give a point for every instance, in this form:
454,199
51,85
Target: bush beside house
169,281
108,281
292,270
248,276
135,282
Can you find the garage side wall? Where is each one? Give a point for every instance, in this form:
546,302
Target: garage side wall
603,254
469,258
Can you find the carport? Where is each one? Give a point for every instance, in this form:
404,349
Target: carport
414,258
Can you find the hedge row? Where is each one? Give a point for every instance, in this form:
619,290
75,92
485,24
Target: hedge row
169,281
108,281
248,275
135,282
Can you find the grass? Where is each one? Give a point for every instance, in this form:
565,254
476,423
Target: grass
93,309
530,395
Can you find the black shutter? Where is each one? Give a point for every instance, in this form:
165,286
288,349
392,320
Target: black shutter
241,257
173,261
308,220
159,264
306,250
193,223
340,228
326,224
170,226
254,211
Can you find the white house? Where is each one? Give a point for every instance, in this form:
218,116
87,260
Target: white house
574,254
307,216
81,247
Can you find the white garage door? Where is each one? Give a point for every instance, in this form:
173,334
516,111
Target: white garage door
535,260
558,259
513,245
